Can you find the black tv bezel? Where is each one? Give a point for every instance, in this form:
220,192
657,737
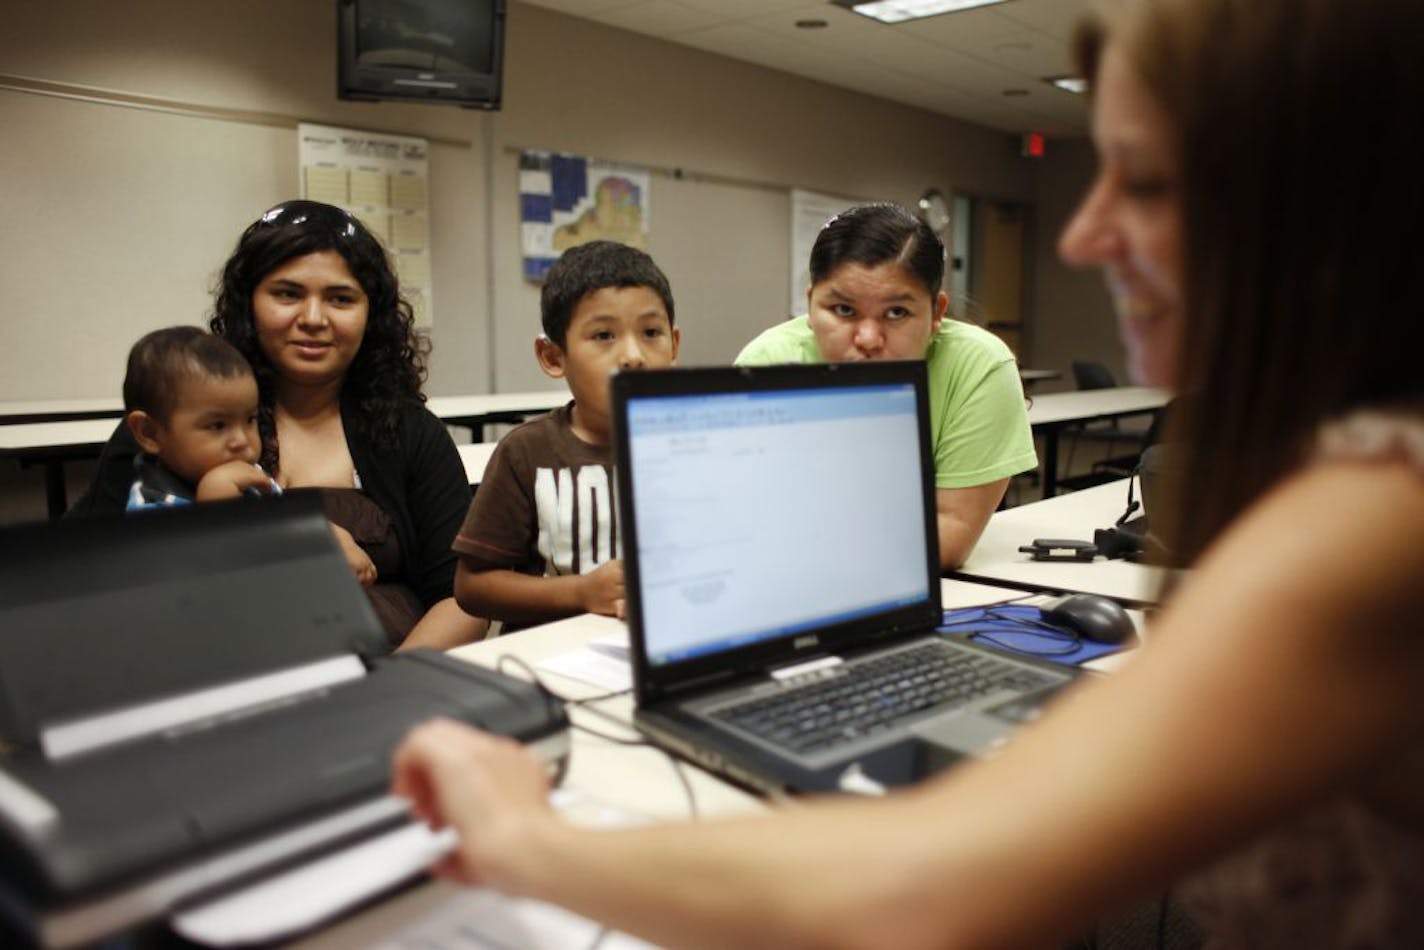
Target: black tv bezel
470,90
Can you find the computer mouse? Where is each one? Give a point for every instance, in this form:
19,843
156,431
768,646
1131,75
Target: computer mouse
1092,617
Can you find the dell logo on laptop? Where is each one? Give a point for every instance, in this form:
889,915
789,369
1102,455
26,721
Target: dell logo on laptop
802,643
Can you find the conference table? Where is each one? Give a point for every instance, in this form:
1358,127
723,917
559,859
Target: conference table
996,559
50,445
475,456
1032,377
477,411
473,411
25,411
73,429
1051,413
609,783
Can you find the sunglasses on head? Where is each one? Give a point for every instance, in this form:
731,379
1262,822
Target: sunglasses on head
312,213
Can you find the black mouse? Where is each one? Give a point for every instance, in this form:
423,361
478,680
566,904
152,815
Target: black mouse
1091,617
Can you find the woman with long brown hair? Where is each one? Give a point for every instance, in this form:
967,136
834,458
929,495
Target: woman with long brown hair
1256,216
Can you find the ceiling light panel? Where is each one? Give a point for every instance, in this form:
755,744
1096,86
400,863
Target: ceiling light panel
899,11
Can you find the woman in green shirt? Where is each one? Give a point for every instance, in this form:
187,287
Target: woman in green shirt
876,272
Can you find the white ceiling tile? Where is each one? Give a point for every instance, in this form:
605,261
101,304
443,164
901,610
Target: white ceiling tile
659,18
736,41
957,64
588,9
1055,17
969,30
743,9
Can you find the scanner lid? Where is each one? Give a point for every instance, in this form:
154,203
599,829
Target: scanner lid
105,612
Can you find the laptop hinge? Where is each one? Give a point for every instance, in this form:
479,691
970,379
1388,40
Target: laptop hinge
819,664
195,710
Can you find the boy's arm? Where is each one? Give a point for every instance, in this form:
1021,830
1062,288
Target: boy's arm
503,594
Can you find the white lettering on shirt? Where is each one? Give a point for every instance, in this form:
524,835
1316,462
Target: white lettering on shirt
565,547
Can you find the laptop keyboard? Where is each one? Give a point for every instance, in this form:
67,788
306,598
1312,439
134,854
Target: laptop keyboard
865,697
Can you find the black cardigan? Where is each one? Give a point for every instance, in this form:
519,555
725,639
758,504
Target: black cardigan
418,481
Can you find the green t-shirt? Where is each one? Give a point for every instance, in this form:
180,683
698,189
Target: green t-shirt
978,422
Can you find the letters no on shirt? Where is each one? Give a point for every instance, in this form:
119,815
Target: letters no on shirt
577,515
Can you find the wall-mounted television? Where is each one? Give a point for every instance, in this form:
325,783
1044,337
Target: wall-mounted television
426,50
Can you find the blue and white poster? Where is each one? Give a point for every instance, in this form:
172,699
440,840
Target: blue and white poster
567,200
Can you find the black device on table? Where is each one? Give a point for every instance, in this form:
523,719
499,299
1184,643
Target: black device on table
1060,549
193,696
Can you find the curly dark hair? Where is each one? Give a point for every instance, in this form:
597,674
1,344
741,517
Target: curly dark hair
389,368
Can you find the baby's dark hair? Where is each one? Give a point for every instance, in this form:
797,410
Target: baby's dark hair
875,234
161,360
588,267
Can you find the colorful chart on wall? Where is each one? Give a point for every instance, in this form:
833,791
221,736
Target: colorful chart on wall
567,200
384,181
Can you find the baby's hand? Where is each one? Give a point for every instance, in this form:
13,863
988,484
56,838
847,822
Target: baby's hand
231,479
603,589
356,559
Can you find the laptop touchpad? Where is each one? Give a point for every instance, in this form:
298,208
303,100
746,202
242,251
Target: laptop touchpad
962,731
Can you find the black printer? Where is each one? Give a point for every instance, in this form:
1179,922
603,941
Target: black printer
193,697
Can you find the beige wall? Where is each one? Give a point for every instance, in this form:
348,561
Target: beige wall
117,219
1072,310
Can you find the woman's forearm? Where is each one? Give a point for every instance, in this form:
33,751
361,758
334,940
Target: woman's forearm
444,626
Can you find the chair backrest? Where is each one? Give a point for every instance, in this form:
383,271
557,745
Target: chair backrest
1092,375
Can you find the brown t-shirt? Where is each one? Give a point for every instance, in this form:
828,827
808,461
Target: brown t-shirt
545,505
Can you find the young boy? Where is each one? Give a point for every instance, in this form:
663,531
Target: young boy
540,541
191,404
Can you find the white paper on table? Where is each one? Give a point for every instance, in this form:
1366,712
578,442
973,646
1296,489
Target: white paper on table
316,891
292,902
475,919
600,665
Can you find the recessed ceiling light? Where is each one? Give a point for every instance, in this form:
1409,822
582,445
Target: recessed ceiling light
810,24
898,11
1074,84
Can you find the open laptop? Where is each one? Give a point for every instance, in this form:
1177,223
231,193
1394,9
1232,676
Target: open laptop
782,565
192,697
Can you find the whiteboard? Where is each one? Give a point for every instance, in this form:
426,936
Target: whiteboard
810,210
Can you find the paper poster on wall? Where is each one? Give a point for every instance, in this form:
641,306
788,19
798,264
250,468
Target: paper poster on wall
809,213
382,180
566,200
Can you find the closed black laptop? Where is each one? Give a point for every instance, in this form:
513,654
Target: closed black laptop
191,696
782,565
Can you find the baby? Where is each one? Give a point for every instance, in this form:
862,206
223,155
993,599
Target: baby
191,404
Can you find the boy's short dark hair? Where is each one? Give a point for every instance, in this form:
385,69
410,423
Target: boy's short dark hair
585,268
160,360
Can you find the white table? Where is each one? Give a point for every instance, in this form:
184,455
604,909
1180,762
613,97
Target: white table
1051,413
1029,377
478,411
997,559
51,444
475,456
24,411
631,779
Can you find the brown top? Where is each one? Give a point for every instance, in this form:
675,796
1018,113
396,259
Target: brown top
1339,874
396,605
545,505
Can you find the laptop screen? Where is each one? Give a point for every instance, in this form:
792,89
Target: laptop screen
762,512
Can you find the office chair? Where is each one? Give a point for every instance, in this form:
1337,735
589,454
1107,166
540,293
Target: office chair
1089,374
